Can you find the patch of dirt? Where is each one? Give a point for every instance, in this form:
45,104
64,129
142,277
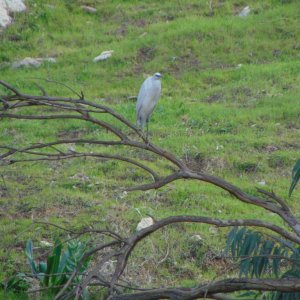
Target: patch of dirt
184,63
217,262
28,191
271,148
137,69
60,211
145,54
116,221
293,124
292,146
276,52
247,167
219,65
242,90
122,30
15,37
213,98
140,23
200,163
3,191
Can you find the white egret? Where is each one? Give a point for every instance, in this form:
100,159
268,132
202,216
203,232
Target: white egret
147,98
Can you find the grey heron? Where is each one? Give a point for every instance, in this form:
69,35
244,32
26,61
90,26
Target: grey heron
147,98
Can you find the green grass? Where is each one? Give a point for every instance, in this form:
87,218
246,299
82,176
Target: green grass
213,113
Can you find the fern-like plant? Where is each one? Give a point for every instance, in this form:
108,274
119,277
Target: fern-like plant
56,270
260,255
295,177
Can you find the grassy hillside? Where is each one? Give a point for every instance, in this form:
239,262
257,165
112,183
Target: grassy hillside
230,106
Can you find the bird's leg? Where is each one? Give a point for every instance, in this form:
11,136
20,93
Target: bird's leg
147,130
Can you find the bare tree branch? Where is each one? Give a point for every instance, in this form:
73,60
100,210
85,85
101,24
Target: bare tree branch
273,196
223,286
127,135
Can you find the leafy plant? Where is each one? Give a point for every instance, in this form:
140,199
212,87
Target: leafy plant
259,255
17,283
295,177
56,270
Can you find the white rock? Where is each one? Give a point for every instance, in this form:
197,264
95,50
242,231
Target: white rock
104,55
32,62
81,177
108,268
143,34
123,195
46,244
5,19
262,182
15,5
88,8
245,11
239,66
144,223
72,148
196,237
7,6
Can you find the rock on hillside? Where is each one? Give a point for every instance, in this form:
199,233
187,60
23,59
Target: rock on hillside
8,6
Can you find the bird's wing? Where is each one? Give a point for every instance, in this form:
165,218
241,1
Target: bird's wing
157,91
142,95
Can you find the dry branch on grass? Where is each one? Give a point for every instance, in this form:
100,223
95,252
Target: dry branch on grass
120,248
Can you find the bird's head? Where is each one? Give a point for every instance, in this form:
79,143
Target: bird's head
157,75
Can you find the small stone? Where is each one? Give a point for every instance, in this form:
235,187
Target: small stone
239,66
143,34
196,238
103,56
123,195
262,182
245,12
108,268
46,244
81,177
88,8
32,62
71,149
144,223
